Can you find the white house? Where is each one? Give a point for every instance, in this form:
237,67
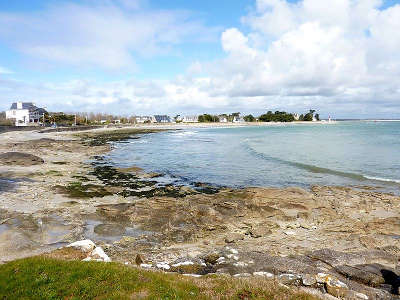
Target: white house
190,119
237,119
144,119
25,113
222,119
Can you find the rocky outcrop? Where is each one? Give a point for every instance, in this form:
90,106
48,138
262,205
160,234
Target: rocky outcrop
20,159
84,250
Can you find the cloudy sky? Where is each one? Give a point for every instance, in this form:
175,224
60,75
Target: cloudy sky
341,57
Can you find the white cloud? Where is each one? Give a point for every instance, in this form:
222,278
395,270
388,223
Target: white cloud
311,53
341,59
108,34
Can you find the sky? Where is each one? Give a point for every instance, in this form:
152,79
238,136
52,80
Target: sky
139,57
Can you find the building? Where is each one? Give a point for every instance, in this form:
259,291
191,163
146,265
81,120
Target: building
161,119
25,113
222,119
144,119
296,116
190,119
238,119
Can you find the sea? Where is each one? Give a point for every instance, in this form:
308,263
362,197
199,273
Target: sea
357,153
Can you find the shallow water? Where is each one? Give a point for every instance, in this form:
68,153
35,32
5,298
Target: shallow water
345,153
96,230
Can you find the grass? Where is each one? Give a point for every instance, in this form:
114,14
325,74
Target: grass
46,278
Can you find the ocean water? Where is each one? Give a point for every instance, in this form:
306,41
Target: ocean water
344,153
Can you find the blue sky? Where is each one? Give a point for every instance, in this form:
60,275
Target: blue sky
181,56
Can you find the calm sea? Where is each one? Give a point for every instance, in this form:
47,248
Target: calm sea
345,153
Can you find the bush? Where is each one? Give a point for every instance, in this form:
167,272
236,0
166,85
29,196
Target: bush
278,116
249,118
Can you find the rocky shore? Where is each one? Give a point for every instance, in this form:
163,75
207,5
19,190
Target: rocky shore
56,189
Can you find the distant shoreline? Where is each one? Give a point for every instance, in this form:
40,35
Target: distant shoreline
4,129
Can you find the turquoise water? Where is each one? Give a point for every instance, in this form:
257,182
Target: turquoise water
345,153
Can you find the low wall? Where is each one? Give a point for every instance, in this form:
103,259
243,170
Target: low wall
4,129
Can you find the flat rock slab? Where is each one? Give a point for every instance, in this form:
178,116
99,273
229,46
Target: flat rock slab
20,159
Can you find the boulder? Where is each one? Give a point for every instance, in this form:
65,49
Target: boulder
85,245
367,274
289,279
308,280
98,254
233,238
336,288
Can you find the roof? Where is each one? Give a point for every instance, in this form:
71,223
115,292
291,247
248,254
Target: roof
25,105
30,106
161,118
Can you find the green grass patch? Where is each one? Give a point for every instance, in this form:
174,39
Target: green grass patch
77,189
45,278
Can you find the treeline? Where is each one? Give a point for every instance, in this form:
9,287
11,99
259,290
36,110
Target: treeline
277,116
61,118
4,121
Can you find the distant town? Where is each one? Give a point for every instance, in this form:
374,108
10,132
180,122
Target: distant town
28,114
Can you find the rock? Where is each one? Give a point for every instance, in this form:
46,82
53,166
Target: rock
212,258
289,232
98,254
336,288
84,245
242,275
146,266
336,258
20,159
259,232
308,280
233,238
356,296
367,274
263,274
163,265
333,286
289,279
192,275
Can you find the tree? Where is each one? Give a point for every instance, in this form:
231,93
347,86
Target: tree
4,121
249,118
278,116
177,119
206,118
308,117
317,117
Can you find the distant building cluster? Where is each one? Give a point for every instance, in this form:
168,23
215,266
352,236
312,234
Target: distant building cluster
27,114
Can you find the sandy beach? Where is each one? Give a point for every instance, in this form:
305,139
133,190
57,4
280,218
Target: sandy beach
349,233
